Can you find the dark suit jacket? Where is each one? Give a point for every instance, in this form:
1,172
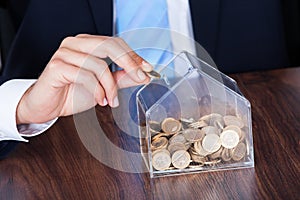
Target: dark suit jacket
239,35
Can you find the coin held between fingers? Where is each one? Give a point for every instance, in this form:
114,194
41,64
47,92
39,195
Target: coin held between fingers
153,74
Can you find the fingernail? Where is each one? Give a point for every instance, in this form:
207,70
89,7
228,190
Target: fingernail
104,102
141,74
115,102
146,66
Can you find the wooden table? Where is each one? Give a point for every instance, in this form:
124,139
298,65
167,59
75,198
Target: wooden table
57,165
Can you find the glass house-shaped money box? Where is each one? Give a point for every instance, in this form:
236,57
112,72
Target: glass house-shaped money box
193,119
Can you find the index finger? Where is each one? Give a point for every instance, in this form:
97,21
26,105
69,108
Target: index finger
126,58
114,48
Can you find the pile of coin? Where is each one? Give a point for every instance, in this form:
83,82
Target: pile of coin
187,143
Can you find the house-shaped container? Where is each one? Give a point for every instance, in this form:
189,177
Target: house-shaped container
193,119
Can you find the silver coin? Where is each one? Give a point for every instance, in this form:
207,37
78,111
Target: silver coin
229,139
181,159
161,160
211,143
239,152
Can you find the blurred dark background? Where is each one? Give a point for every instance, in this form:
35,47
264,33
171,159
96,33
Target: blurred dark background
291,21
239,35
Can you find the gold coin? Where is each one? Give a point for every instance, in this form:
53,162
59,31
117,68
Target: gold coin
197,158
190,120
211,143
176,146
159,143
193,151
198,124
212,162
177,138
195,166
219,124
193,135
188,145
160,150
155,137
243,135
154,127
210,130
226,154
229,139
211,119
233,120
199,149
153,74
234,128
181,159
239,151
161,160
217,154
170,125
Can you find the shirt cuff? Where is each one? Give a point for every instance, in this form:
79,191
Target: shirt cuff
11,93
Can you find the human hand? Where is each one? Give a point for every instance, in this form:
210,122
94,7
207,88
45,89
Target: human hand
78,72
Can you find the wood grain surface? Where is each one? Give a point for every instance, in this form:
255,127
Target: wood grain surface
82,156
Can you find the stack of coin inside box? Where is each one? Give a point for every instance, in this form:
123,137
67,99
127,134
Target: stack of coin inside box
187,143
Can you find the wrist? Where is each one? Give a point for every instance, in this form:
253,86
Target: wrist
22,111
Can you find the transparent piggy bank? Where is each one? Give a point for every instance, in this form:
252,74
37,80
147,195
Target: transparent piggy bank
193,119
